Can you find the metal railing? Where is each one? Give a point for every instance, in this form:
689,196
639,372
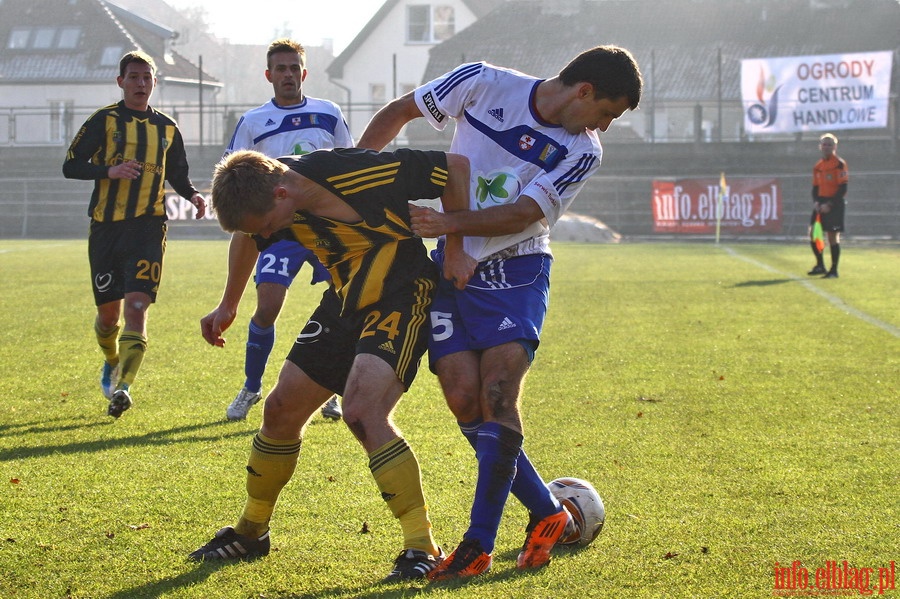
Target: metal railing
53,207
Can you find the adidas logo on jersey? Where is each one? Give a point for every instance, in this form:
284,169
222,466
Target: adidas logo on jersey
497,113
506,324
269,122
388,347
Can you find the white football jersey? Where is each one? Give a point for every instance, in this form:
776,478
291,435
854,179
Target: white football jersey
275,130
511,150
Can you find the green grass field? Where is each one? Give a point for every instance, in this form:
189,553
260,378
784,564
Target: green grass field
733,413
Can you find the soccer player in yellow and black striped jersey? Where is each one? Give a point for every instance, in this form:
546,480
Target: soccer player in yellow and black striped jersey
129,150
364,340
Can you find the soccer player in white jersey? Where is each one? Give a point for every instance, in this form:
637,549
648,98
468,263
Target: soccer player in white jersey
289,124
532,143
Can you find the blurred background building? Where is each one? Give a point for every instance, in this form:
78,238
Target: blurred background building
58,63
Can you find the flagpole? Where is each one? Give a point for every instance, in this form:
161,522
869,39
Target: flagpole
720,204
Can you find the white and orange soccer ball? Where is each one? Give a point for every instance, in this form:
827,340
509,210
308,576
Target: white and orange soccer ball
586,506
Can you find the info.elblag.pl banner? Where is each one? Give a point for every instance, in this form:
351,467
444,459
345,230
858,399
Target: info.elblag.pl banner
743,205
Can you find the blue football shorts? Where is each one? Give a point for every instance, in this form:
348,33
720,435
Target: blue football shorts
280,262
505,301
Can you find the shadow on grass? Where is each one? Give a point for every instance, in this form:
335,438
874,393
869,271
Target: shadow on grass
162,437
164,586
766,283
377,590
417,587
48,426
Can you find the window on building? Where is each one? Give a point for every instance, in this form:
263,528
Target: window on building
18,38
418,24
429,23
111,56
43,38
444,23
377,93
69,37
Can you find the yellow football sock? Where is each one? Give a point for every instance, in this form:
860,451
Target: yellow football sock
270,467
108,342
132,346
397,475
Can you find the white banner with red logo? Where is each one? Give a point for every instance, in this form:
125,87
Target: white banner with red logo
738,206
816,93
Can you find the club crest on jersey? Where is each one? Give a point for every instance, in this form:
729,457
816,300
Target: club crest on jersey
548,153
526,142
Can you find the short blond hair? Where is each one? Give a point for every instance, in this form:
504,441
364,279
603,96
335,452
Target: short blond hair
244,183
829,136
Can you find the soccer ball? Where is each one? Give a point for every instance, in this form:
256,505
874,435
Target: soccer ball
586,507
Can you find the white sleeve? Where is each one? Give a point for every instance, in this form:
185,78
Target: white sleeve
446,97
242,139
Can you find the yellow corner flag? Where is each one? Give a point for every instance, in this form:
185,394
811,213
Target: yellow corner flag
818,237
720,204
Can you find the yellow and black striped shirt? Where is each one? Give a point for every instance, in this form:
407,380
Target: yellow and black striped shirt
115,134
370,259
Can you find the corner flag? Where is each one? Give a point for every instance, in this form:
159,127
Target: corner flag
818,237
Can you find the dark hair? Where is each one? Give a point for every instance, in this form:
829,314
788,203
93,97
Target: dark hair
612,71
136,56
284,44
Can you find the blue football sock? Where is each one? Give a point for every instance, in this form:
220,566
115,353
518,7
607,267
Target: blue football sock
259,345
528,486
497,449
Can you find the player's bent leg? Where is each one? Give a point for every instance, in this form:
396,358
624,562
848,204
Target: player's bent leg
273,458
371,394
458,374
291,402
270,299
503,369
260,341
276,448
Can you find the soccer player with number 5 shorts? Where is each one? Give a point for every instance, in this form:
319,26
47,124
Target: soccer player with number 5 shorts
532,145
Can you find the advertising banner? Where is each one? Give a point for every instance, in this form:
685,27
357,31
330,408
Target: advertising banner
816,93
737,206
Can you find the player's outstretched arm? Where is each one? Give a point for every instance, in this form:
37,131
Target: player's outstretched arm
507,219
388,121
242,255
